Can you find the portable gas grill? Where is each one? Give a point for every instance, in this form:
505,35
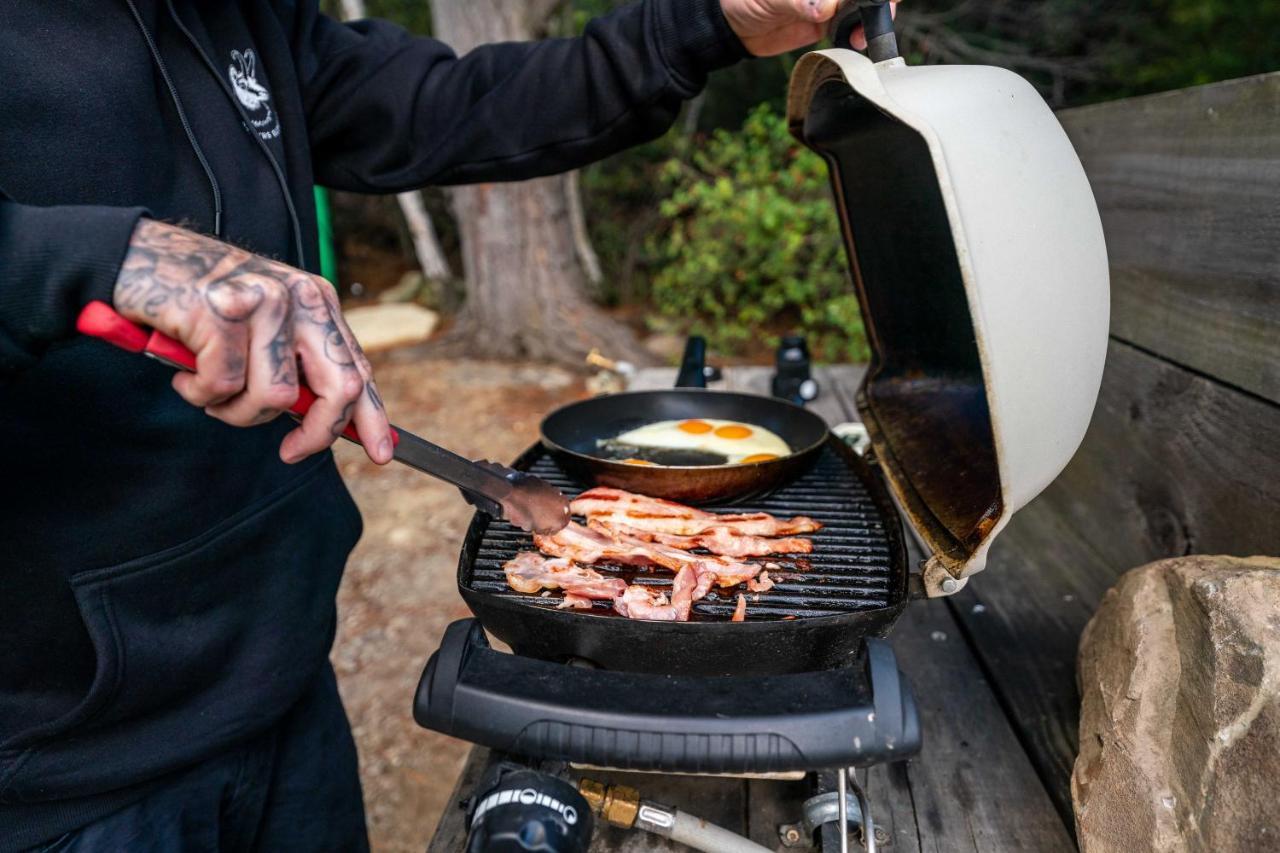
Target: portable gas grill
655,696
977,255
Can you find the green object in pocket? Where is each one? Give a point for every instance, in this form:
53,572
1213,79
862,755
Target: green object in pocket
324,225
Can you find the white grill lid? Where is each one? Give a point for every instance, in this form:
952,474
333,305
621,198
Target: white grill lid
978,256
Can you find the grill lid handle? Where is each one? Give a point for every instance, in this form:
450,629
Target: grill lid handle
876,17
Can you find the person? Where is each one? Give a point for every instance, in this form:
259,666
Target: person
170,560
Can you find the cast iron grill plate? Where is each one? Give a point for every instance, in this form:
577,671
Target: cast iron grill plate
849,571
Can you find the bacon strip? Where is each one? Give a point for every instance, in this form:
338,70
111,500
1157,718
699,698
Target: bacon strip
740,612
640,602
718,540
531,572
659,516
593,545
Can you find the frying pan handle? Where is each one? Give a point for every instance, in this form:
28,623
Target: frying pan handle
849,717
693,366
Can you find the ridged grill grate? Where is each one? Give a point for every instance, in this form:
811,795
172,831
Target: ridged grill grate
848,571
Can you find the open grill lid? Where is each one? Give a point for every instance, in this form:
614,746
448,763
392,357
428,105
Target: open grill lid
978,257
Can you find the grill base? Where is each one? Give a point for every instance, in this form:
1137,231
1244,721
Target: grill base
853,585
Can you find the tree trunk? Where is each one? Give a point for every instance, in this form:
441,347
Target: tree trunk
581,236
525,284
426,245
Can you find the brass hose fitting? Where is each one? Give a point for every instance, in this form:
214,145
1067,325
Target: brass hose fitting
617,804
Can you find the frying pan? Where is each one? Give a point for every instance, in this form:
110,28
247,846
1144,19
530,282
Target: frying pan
572,434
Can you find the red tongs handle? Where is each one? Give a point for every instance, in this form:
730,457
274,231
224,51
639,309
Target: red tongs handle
100,320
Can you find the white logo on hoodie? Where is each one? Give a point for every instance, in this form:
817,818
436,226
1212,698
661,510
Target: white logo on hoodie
253,96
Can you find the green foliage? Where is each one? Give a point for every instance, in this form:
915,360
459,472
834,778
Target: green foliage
1171,44
750,247
733,233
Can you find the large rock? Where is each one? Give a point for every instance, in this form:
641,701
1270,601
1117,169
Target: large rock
389,325
1180,726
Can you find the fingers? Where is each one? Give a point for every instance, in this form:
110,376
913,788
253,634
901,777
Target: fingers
340,375
337,388
817,11
786,38
858,38
370,415
272,375
220,366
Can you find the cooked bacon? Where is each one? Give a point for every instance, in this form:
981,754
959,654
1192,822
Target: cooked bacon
530,572
629,529
590,545
641,602
718,540
659,516
706,577
593,545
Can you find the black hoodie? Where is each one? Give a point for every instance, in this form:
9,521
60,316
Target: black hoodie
166,583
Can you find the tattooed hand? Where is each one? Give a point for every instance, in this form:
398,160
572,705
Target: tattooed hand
253,325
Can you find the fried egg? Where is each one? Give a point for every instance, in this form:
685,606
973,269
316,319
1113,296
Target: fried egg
736,441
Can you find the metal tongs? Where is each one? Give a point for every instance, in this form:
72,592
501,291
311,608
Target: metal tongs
522,499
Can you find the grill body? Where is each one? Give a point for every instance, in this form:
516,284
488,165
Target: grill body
853,585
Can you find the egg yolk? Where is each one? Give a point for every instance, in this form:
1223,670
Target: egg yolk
694,427
757,457
734,431
636,462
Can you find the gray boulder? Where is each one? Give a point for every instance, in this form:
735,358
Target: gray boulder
1180,723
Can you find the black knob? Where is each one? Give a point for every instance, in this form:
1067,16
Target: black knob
530,812
793,380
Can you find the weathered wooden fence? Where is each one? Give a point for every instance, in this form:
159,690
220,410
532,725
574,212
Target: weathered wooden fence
1183,454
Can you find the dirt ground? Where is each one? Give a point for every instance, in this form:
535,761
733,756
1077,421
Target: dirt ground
399,592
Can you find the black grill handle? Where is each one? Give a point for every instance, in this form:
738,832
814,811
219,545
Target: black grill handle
876,17
850,717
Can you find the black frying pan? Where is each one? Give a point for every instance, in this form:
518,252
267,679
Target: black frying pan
573,434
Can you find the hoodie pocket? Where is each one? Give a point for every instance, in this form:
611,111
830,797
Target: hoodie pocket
200,646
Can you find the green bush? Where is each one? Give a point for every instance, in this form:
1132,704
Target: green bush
749,247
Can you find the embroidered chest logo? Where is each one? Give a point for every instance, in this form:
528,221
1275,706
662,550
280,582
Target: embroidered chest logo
253,96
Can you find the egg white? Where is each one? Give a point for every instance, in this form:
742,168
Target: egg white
667,435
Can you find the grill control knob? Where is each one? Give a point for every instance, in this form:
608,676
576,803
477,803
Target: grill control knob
529,812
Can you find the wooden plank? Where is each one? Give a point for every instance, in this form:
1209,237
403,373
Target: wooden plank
451,833
972,787
1187,183
1173,463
